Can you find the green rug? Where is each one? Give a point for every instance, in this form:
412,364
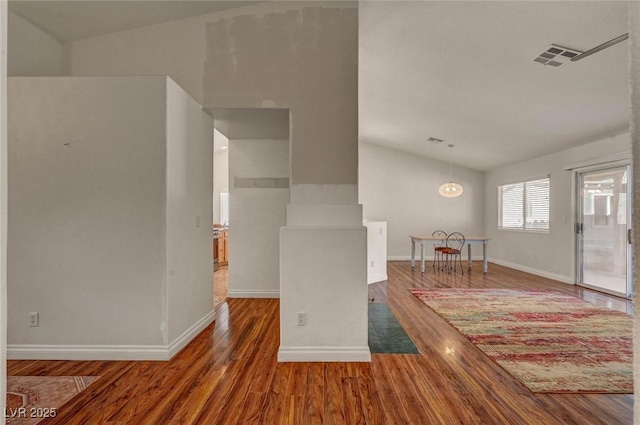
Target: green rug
386,335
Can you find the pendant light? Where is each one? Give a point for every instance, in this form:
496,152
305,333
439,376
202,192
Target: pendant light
450,189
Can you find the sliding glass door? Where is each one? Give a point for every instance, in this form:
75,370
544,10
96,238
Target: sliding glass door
604,229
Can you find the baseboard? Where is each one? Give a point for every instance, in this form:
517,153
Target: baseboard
324,354
86,352
107,352
188,335
405,258
250,293
537,272
379,277
429,258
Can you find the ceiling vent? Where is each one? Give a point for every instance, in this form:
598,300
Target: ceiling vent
434,140
556,56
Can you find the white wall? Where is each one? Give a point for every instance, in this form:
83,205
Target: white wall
109,217
376,251
32,52
189,215
402,189
3,209
332,273
255,217
309,66
634,72
175,49
550,254
87,210
297,55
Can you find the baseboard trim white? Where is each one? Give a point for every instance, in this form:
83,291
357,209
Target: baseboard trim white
107,352
86,352
405,258
250,293
377,278
429,258
324,354
537,272
188,335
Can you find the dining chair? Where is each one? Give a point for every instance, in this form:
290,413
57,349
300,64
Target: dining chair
438,246
453,250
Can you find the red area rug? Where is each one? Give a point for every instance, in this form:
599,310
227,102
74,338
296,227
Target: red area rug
551,342
31,399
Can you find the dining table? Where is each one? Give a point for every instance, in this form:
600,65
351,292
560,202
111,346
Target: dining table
469,240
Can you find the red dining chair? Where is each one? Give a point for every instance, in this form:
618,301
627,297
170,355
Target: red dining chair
453,251
438,246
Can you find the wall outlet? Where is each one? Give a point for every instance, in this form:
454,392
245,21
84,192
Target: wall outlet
302,319
528,256
34,320
372,263
197,221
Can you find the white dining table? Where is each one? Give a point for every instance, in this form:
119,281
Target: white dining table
468,240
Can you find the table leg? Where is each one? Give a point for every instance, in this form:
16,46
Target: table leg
485,261
422,256
413,253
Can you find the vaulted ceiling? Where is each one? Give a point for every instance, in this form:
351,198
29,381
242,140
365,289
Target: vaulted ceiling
464,72
458,71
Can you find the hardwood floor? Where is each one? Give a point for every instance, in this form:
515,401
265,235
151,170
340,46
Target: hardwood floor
229,373
220,285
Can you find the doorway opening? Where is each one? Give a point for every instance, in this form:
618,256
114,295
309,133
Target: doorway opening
220,230
603,229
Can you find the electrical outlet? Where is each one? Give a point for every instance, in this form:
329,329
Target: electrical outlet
302,319
197,221
34,320
373,263
528,256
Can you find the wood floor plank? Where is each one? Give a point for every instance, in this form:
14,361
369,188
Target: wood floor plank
370,398
274,404
334,413
229,374
352,402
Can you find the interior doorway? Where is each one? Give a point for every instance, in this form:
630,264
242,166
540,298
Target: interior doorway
220,230
603,229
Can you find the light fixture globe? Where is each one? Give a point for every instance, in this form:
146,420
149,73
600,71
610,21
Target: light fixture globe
450,190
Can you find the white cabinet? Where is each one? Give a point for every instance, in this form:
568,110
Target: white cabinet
376,251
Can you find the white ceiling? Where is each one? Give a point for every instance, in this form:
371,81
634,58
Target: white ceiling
251,123
463,72
458,71
75,20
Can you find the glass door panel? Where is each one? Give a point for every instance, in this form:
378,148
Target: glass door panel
603,225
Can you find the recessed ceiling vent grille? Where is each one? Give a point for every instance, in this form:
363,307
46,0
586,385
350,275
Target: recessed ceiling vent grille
556,56
434,140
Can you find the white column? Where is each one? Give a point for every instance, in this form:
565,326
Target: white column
323,276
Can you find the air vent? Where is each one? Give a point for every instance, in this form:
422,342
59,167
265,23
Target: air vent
555,56
434,140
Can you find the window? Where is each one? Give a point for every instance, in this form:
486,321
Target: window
524,206
224,208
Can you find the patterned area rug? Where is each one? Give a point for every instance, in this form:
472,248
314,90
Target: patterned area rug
552,343
31,399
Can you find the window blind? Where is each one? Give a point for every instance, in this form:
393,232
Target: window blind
524,206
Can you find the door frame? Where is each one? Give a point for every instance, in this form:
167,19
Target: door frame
577,173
